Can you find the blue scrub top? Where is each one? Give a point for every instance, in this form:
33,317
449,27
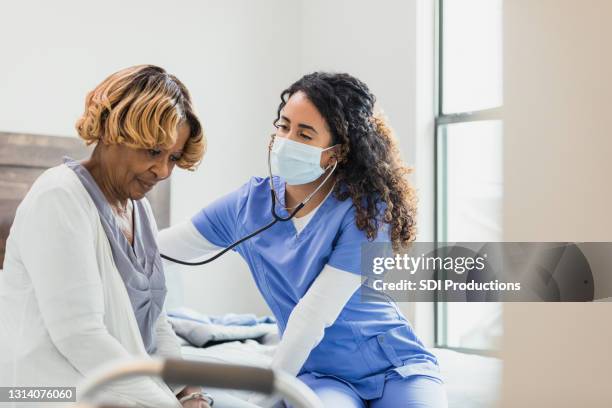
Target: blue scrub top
369,340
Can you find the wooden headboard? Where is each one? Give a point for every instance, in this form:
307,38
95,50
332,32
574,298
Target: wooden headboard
24,157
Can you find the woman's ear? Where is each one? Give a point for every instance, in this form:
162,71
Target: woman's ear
340,153
332,155
336,151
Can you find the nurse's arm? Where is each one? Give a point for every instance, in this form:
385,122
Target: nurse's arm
318,309
184,242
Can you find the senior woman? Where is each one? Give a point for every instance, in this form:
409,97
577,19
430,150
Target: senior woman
83,282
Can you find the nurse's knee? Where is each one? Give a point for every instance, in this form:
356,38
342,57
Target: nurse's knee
415,392
332,393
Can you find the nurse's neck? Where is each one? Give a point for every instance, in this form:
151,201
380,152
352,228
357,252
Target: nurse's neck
296,193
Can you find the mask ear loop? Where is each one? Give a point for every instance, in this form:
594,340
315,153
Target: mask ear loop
335,165
307,199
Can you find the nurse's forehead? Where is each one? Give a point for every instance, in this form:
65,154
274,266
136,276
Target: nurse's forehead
299,107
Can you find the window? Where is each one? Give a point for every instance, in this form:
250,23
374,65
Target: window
469,154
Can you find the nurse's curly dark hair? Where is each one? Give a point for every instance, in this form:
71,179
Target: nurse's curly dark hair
370,170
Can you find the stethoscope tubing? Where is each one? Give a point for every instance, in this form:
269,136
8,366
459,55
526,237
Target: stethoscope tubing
265,227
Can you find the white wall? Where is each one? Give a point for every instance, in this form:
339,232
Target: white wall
375,42
235,56
557,170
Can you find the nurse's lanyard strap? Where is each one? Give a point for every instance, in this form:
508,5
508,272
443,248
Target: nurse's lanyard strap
265,227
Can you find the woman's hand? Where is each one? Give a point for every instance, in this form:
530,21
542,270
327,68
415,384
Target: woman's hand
192,403
195,403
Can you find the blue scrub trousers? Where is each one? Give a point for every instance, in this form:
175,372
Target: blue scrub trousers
412,392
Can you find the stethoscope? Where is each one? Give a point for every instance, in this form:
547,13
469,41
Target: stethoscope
273,211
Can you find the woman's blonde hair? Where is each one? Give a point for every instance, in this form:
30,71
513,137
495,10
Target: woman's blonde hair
142,107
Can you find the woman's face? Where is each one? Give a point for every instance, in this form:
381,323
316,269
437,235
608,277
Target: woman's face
134,172
301,122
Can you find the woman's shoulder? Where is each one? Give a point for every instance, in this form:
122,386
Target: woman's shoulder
58,183
55,179
54,198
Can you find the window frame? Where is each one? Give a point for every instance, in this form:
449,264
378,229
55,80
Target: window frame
441,120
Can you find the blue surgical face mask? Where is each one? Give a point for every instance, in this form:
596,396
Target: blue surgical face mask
297,163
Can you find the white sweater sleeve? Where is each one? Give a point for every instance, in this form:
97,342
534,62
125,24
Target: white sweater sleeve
168,345
57,246
317,310
184,242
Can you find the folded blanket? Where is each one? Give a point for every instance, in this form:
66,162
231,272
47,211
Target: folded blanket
230,319
202,331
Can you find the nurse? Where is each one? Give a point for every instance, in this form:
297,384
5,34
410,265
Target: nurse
351,353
